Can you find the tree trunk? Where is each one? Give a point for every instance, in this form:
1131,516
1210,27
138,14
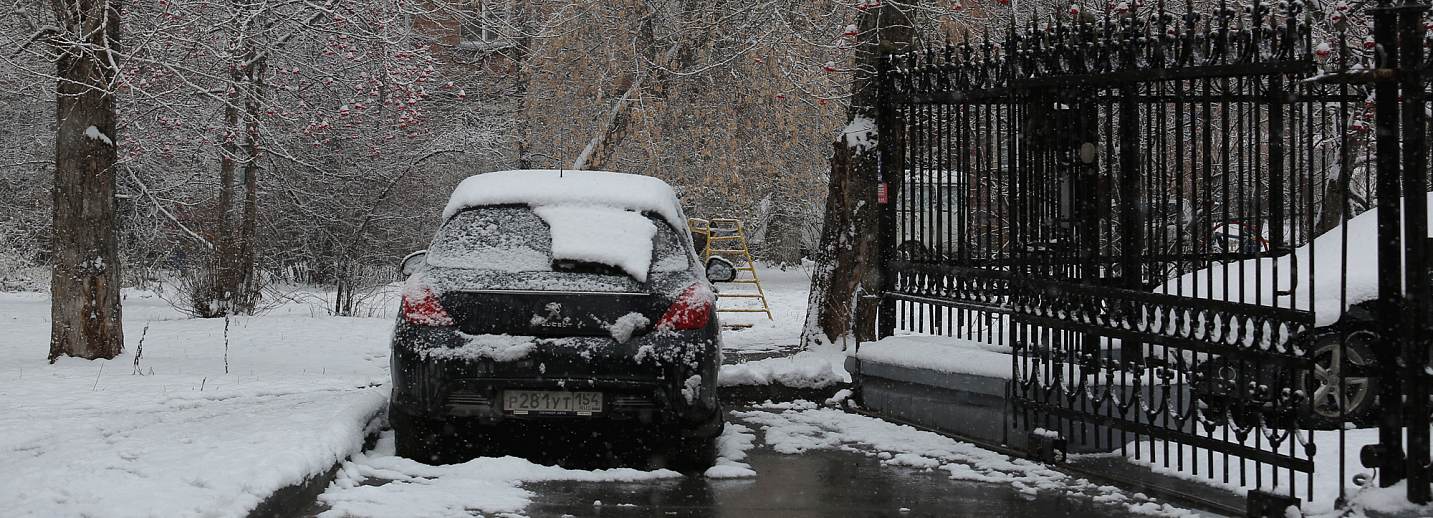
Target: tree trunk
232,289
85,308
848,276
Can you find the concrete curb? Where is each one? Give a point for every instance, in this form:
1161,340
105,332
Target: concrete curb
294,500
741,395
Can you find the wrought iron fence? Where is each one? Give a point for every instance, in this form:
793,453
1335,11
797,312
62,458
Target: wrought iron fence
1166,216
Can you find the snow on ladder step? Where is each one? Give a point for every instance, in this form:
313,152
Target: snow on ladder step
729,233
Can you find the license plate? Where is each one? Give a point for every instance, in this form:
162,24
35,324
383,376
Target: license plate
549,402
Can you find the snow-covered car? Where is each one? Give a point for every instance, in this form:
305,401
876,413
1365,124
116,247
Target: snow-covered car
560,298
1338,283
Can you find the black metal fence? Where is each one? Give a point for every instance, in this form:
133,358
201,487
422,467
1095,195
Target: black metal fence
1158,213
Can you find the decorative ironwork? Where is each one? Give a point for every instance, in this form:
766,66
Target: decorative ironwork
1131,205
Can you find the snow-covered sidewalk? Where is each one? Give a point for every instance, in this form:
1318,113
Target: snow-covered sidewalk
174,434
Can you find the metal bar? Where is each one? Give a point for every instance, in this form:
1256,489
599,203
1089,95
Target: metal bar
1199,441
1390,250
1415,236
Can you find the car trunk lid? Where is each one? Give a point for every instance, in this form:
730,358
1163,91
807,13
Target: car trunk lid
553,313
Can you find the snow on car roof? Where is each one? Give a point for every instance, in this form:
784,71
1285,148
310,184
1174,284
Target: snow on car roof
594,215
542,187
1342,276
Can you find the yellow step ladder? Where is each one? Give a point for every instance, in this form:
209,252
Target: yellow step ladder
724,237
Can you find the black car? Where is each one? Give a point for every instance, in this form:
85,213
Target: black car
564,298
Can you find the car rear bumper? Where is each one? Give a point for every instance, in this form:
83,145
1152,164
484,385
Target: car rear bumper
666,378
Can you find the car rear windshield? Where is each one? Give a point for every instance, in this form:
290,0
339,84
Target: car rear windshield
512,238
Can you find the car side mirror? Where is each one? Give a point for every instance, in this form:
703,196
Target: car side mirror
720,270
410,263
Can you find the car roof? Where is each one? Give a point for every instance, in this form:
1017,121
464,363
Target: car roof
546,187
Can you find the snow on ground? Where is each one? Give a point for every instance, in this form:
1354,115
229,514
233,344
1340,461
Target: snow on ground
209,425
765,352
377,483
1197,465
177,435
786,292
213,420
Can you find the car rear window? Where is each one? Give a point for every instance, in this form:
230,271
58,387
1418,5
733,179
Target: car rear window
512,238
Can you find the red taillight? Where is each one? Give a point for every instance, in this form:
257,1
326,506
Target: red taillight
421,307
691,310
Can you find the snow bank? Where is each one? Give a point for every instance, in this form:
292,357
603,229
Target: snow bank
173,434
814,369
377,483
940,354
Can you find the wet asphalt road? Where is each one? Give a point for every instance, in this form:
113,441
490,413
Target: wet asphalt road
816,483
813,484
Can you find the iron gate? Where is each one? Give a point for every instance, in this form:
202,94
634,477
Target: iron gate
1156,214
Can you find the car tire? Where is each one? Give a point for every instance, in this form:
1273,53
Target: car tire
914,250
1328,382
689,455
417,438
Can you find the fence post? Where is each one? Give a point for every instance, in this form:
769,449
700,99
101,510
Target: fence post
1415,234
889,149
1389,458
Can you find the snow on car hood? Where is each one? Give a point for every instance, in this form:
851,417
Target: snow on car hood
1237,282
603,235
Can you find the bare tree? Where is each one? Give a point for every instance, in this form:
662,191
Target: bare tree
847,276
86,282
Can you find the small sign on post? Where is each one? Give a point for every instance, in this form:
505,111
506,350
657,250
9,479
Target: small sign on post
881,197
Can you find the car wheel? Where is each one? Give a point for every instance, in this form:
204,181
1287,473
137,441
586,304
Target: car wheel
417,438
913,250
1335,396
689,455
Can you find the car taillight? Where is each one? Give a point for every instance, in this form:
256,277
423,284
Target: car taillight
691,310
421,307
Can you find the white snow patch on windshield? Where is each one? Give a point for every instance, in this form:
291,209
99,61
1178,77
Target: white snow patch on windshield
601,235
630,323
503,348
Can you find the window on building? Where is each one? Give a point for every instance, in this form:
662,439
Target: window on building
487,24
